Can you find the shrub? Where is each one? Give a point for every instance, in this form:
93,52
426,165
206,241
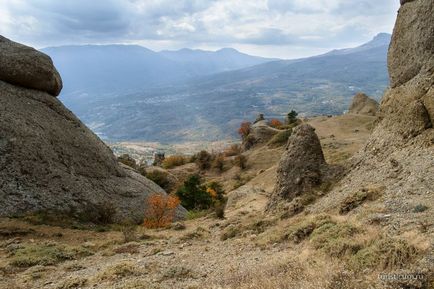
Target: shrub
241,161
29,255
127,160
161,178
291,117
160,210
173,161
420,208
275,123
385,253
203,160
244,129
219,163
233,150
281,138
193,195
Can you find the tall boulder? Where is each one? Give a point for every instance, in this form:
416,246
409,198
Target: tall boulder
364,105
301,167
49,160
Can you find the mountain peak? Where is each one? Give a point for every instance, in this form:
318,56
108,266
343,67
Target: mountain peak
381,39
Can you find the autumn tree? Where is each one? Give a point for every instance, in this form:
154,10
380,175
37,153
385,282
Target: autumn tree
244,129
160,210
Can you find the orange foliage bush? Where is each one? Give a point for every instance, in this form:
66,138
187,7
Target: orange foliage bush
244,129
275,123
160,210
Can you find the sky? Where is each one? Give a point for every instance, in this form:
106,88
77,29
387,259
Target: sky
270,28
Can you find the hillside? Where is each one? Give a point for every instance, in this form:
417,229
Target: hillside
211,107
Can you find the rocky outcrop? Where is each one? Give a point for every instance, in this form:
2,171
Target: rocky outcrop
362,104
26,67
301,167
260,133
49,160
399,154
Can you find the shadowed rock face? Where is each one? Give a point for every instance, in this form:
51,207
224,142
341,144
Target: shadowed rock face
301,166
25,66
49,160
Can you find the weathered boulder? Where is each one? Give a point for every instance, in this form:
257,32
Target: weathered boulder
49,160
362,104
26,67
301,167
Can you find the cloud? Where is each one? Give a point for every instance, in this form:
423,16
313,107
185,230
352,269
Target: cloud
312,24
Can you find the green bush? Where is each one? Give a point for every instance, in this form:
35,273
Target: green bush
193,195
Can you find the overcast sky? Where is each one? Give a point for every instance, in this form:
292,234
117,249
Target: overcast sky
273,28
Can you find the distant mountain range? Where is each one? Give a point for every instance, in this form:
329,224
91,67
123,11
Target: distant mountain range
132,93
108,69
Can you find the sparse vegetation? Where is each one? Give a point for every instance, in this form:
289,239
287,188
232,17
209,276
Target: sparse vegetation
384,253
280,139
48,253
118,271
174,161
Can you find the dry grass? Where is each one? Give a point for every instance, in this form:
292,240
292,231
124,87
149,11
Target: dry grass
119,271
73,282
47,253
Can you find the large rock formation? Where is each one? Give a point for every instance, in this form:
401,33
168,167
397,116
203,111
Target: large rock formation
260,133
400,152
49,160
362,104
301,167
24,66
